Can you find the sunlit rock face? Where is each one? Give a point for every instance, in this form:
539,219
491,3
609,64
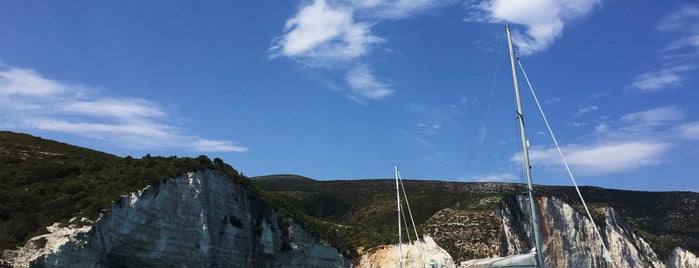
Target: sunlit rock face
569,238
682,258
200,219
422,253
205,219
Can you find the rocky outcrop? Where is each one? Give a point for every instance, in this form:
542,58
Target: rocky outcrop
469,232
681,258
422,253
569,238
205,219
199,219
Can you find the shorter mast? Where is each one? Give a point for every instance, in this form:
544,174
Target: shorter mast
525,156
400,238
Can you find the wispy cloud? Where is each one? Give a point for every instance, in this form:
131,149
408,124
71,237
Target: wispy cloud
689,131
435,118
398,9
663,79
685,23
585,110
363,83
498,177
632,141
678,56
337,34
604,157
652,118
33,102
543,20
434,153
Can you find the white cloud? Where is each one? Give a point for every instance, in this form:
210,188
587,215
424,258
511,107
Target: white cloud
363,83
601,128
655,116
113,107
335,34
398,9
215,145
585,110
33,102
602,158
688,131
678,56
544,20
552,100
448,116
430,128
500,177
633,141
321,34
663,79
25,82
682,20
327,30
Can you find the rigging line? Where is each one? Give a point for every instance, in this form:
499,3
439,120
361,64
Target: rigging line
479,131
405,195
405,221
565,163
407,204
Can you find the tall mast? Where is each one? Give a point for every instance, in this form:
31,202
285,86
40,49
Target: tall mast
525,156
400,237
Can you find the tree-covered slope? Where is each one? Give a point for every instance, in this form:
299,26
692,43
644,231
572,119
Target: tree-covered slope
44,181
366,208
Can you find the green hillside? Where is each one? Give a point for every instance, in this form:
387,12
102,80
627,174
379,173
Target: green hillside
43,182
366,208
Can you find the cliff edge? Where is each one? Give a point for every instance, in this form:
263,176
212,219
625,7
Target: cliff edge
198,219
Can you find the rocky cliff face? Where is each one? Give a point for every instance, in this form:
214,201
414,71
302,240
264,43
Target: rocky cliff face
204,219
423,253
200,219
682,258
569,238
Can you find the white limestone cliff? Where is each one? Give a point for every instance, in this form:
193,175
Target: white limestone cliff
422,253
200,219
681,258
205,219
569,239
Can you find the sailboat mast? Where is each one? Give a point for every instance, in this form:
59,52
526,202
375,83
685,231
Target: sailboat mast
525,155
400,237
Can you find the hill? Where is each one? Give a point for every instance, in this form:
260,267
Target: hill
367,207
44,181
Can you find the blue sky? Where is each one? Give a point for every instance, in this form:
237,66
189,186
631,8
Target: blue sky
346,89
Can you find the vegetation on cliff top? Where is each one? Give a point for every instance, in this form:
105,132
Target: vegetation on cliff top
365,209
43,182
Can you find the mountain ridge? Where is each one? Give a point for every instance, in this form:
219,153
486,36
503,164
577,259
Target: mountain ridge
351,215
672,223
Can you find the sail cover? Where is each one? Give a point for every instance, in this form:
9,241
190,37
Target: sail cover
522,260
